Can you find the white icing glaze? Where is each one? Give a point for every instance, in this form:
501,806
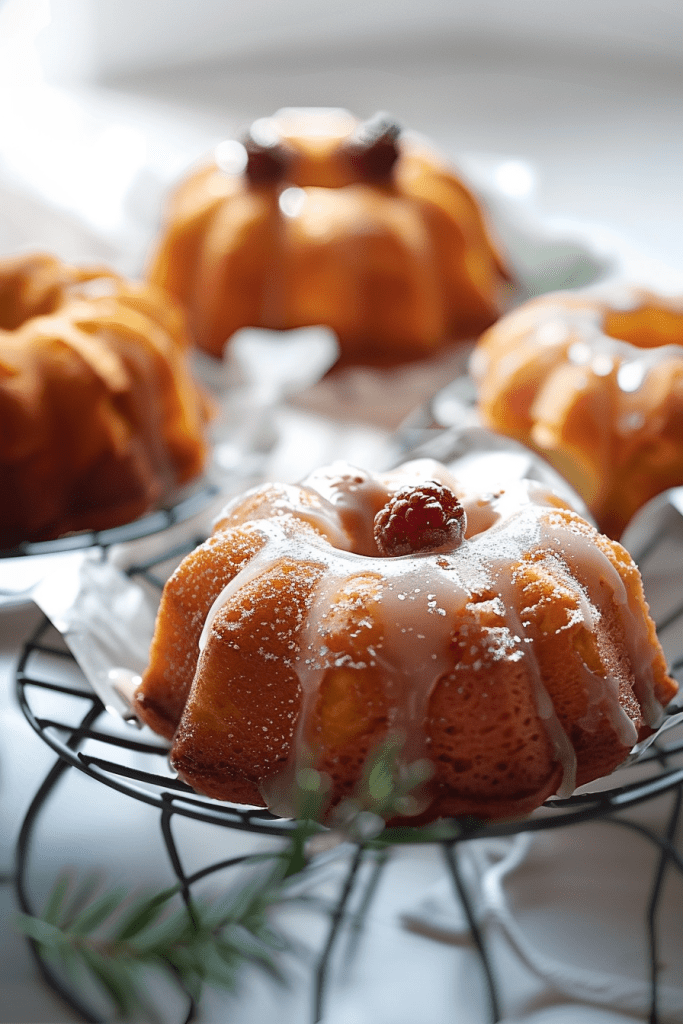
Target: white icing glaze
420,598
578,333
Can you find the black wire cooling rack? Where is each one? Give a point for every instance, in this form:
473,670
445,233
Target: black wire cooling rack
115,754
177,510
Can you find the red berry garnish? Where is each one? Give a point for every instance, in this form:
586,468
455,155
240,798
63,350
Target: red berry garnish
420,518
372,150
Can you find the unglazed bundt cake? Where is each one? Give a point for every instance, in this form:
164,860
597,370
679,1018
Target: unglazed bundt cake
319,219
99,416
593,381
498,634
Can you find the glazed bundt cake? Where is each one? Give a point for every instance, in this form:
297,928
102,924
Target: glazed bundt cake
99,416
593,381
498,634
320,219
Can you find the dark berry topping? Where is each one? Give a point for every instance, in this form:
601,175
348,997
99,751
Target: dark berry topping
372,150
267,162
420,519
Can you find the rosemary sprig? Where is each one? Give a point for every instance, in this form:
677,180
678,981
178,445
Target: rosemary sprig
390,787
118,940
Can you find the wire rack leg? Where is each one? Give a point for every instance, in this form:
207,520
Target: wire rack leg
174,857
450,855
335,924
360,916
653,905
21,868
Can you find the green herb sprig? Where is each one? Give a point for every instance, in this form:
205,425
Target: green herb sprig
117,939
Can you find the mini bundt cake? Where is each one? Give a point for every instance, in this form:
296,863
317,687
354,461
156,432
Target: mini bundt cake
320,219
593,381
498,634
99,416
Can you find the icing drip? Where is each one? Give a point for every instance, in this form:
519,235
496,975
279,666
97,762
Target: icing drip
576,334
579,336
618,719
592,567
412,651
419,599
592,381
257,565
562,746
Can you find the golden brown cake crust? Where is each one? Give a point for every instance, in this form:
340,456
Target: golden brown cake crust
520,661
99,415
397,263
593,381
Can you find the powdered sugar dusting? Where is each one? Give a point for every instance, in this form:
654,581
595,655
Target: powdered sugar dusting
407,612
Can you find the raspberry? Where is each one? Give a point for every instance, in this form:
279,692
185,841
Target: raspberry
420,519
372,150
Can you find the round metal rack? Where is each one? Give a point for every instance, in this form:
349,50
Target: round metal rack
115,754
178,510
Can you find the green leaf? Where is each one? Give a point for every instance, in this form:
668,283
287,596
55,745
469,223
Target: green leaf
311,789
139,982
69,962
97,913
234,947
295,857
241,940
114,977
156,939
216,970
244,903
272,969
82,895
190,973
55,902
193,985
276,939
143,913
43,932
380,782
205,943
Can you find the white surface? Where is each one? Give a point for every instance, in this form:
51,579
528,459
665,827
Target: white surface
119,36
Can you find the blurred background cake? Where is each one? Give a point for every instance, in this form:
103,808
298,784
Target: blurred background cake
100,417
593,381
317,218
